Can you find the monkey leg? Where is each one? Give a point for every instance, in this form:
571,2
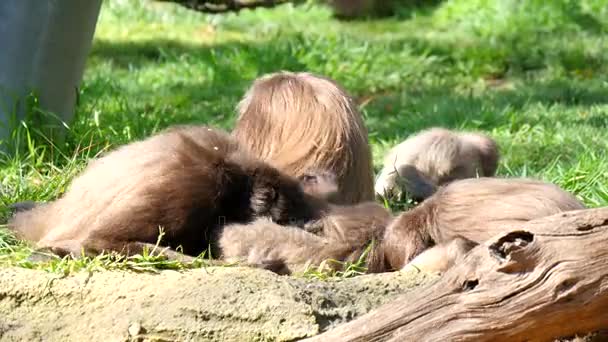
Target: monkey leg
62,248
404,239
22,206
440,258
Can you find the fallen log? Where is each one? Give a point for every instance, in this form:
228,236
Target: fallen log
539,281
222,6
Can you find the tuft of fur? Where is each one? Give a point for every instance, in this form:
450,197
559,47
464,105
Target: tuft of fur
187,180
474,209
300,121
435,157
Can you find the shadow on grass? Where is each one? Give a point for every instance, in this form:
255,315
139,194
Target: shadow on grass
229,69
396,9
396,116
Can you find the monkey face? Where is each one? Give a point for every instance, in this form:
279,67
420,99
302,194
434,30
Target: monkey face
322,184
283,199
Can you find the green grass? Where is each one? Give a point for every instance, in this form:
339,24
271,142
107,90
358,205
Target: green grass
533,74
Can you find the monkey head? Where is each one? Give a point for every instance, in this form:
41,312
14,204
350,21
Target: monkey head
283,199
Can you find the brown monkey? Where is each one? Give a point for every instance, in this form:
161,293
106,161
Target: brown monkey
284,250
343,234
187,180
435,157
473,209
300,121
448,224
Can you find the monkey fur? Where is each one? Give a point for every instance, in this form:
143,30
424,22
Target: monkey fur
299,122
459,216
187,180
435,157
474,210
343,234
441,257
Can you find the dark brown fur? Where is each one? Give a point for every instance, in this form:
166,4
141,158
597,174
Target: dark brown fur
188,180
433,158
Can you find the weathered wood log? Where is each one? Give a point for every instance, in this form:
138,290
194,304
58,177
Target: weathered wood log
221,6
542,280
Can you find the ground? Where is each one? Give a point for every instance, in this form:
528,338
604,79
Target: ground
531,74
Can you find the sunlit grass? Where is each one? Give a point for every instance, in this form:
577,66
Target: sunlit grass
533,75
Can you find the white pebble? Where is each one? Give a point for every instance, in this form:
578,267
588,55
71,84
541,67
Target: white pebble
134,329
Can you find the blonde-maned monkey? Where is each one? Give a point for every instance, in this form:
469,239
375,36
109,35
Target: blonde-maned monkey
435,157
301,121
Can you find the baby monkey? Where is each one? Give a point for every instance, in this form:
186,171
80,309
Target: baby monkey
435,157
188,181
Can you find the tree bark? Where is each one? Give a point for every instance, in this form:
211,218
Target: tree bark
221,6
542,280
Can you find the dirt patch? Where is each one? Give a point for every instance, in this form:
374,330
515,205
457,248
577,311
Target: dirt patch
227,304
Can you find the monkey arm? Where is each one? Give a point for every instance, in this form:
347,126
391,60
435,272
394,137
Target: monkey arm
265,243
415,183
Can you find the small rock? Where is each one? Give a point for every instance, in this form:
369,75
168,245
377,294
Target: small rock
134,329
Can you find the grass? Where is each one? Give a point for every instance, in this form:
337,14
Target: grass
533,74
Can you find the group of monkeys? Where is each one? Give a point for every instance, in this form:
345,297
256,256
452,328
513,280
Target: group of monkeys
291,186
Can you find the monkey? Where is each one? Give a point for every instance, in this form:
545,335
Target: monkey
342,233
186,180
301,121
472,209
287,250
435,157
283,250
432,236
